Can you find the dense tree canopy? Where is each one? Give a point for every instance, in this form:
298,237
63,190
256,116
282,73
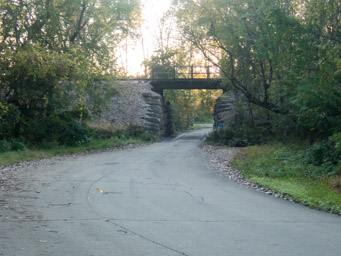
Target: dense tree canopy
282,56
51,52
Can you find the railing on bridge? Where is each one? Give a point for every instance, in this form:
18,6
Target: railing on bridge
184,72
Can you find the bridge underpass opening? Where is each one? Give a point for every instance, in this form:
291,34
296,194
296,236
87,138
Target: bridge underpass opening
190,107
189,94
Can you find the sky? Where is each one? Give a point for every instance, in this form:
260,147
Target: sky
152,11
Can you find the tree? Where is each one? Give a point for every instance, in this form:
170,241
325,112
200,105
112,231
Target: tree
53,52
282,56
172,59
169,54
243,40
318,97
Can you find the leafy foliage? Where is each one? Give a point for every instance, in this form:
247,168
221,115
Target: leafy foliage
11,145
236,136
53,55
281,56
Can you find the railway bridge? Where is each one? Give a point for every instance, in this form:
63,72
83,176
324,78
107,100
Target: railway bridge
189,78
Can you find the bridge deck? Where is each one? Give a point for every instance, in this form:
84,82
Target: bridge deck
175,84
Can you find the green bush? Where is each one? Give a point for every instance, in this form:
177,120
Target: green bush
75,134
17,145
12,145
336,140
321,153
80,111
237,136
105,133
325,155
212,138
147,136
135,130
5,146
45,144
61,128
9,117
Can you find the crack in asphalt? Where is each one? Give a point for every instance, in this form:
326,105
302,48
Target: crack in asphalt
147,239
124,228
201,201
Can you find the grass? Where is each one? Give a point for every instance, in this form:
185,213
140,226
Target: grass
280,168
11,157
313,193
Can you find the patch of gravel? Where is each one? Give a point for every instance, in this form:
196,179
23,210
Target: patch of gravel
220,158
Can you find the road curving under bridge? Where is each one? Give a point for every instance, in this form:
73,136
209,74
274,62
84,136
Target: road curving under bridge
159,199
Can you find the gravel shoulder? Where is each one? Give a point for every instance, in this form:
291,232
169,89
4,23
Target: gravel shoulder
220,158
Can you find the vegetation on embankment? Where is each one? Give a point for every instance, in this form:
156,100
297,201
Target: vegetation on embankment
309,174
56,68
15,151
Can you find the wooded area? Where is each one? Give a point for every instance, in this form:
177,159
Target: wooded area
51,55
280,57
283,57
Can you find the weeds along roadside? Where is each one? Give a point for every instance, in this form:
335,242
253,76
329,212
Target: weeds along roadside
307,173
95,138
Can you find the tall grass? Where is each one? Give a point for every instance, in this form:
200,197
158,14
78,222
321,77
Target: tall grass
283,168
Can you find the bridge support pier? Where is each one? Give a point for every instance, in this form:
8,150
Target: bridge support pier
159,118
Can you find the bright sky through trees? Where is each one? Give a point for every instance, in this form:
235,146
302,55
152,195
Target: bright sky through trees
152,11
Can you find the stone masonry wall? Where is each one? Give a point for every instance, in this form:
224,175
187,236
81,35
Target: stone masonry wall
224,110
135,104
235,109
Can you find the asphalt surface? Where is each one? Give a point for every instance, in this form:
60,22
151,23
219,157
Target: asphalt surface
160,199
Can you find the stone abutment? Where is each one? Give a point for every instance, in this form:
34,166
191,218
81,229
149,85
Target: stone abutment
137,104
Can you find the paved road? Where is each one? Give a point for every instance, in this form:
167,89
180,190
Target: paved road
161,199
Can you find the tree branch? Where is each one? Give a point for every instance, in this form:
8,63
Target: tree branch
79,25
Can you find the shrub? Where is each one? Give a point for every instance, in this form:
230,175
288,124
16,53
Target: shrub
101,133
61,128
135,130
212,138
12,145
75,134
45,144
17,145
5,146
325,155
336,140
321,153
147,136
9,117
237,136
80,111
